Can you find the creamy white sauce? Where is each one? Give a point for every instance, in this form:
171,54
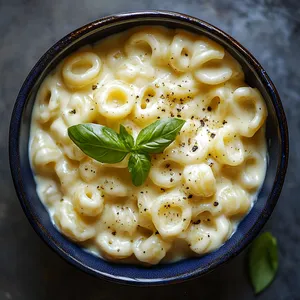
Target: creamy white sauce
201,185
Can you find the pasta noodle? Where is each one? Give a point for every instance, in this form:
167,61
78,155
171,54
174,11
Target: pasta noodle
81,69
200,180
72,224
114,247
88,200
150,250
171,214
45,153
207,233
197,190
115,100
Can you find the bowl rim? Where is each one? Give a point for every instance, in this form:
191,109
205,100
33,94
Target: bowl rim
74,36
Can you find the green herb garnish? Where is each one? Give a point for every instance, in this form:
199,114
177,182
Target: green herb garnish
158,135
107,146
139,165
99,142
263,261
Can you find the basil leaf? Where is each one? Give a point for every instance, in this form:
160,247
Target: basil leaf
158,135
105,145
99,142
263,261
126,138
139,166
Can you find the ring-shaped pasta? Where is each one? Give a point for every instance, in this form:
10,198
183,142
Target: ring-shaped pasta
151,249
205,205
72,224
203,237
81,69
114,185
200,180
114,58
144,203
80,109
59,131
218,70
115,100
183,87
213,72
114,246
89,169
213,169
181,51
207,62
66,171
49,192
171,214
253,171
191,145
45,154
217,102
120,218
165,173
149,105
49,99
135,71
249,110
233,200
205,50
88,200
228,147
214,165
151,44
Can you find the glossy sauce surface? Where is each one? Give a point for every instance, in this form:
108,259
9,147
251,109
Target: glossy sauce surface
201,185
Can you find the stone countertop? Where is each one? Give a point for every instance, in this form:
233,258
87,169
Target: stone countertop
270,29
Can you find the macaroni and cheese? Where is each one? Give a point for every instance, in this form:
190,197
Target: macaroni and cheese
197,190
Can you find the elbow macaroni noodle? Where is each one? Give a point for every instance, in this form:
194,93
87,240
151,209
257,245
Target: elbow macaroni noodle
198,189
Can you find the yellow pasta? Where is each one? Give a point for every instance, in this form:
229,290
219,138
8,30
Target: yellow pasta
171,214
200,180
197,190
71,223
88,200
81,69
115,100
151,249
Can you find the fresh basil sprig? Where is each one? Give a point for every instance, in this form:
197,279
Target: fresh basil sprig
262,261
158,135
107,146
139,165
127,139
99,142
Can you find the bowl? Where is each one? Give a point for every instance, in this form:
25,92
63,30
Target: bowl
277,140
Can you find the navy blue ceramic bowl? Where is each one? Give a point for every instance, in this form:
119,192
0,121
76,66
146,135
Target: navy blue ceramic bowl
277,135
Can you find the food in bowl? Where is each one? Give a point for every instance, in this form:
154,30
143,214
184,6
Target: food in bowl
202,184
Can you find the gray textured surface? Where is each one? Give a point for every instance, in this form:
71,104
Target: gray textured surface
269,29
